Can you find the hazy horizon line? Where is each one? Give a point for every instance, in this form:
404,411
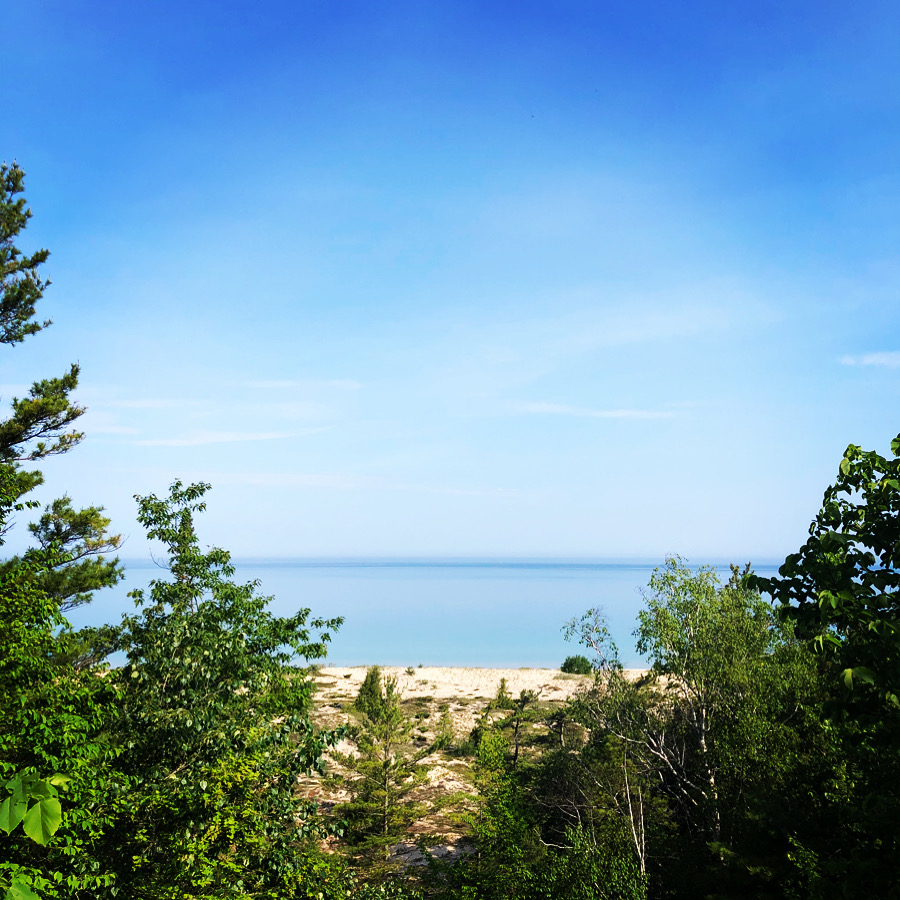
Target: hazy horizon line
469,560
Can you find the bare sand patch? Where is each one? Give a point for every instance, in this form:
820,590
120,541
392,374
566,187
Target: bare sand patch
452,683
464,690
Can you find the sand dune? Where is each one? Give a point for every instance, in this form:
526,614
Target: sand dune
456,683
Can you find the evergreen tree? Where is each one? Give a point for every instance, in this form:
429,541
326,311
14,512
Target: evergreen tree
370,698
42,425
53,718
385,772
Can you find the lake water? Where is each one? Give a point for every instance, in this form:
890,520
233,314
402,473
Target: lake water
439,612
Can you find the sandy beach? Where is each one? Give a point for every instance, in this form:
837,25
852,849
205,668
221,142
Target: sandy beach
451,683
465,691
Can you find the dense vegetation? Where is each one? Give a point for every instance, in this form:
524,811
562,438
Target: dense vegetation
759,756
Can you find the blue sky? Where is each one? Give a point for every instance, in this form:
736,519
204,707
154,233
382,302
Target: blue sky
559,278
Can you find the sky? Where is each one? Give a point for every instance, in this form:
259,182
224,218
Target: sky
562,279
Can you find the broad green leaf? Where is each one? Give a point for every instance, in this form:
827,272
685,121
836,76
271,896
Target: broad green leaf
42,790
42,820
12,812
59,780
845,466
20,891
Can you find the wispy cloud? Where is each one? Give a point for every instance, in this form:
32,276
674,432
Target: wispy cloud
559,409
889,360
516,353
198,438
344,384
348,482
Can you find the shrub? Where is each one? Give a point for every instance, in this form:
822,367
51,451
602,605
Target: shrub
577,665
503,699
443,737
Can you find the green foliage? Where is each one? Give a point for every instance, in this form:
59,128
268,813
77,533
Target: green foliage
20,284
52,718
503,828
591,631
27,616
81,536
841,594
41,426
33,802
519,857
215,725
394,889
370,699
502,699
385,772
590,866
841,590
522,715
39,423
444,733
712,761
576,665
729,684
74,542
60,726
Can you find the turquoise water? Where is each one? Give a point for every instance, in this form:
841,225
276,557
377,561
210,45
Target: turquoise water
492,612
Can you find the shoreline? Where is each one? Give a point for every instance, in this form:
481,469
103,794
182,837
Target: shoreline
462,682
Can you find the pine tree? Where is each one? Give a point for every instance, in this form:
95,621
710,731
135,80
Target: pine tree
384,773
370,698
42,424
52,717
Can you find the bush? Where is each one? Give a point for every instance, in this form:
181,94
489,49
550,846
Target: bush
503,699
577,665
593,866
